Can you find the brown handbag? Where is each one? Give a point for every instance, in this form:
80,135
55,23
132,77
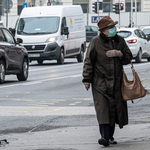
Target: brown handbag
132,89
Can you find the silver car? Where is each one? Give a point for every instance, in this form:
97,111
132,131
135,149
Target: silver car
137,41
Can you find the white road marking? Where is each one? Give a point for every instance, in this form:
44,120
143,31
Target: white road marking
58,78
40,81
54,67
45,111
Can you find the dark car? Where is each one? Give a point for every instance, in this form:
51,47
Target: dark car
91,31
13,56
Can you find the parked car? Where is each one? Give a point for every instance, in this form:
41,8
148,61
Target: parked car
13,57
91,31
137,41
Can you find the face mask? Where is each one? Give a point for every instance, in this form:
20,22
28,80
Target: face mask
112,32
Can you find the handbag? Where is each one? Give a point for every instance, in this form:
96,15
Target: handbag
132,89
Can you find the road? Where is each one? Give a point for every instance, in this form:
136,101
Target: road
54,97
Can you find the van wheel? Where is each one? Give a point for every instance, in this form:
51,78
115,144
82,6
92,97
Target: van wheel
2,71
148,59
40,62
80,57
24,73
138,58
61,58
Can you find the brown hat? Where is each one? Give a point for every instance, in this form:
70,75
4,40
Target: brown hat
105,22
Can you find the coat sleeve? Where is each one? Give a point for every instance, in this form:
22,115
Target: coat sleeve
127,55
89,62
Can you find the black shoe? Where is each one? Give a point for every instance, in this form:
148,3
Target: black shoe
112,141
104,142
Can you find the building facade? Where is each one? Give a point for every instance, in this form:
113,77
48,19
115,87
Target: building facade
142,5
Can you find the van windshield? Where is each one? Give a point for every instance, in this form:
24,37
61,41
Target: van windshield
38,25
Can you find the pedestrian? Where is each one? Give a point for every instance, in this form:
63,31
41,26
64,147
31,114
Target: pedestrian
105,57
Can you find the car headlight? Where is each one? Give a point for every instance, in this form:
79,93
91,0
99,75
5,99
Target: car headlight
53,39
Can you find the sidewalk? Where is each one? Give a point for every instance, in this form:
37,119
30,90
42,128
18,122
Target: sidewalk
146,84
131,137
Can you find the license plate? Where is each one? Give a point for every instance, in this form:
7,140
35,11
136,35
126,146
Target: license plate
34,55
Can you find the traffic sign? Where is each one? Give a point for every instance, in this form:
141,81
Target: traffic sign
10,4
25,5
95,19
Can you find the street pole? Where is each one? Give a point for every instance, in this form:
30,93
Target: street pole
87,15
119,13
7,13
135,12
131,12
40,3
98,8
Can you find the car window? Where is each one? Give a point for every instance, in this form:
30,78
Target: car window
137,33
142,34
8,36
95,29
63,24
146,31
88,28
2,38
124,34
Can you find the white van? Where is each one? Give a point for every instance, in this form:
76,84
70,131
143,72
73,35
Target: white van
52,32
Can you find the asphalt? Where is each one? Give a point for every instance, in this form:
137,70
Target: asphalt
132,136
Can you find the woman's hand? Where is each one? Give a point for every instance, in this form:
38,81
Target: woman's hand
87,85
114,53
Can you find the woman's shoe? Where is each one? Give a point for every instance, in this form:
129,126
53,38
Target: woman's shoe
112,141
103,142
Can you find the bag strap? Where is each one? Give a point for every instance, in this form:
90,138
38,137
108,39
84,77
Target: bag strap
132,67
136,102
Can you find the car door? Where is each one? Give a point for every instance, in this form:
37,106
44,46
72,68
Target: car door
141,41
12,54
64,37
146,42
5,47
91,32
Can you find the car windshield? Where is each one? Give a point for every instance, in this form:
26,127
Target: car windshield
91,28
124,34
146,31
38,25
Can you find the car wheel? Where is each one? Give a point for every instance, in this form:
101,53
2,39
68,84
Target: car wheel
61,58
139,57
2,71
24,73
40,62
80,57
148,59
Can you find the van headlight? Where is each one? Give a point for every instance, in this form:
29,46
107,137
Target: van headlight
52,39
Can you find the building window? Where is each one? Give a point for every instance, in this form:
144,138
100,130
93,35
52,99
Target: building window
84,8
20,5
84,4
107,5
128,6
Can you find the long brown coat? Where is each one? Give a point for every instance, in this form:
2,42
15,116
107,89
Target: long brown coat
105,74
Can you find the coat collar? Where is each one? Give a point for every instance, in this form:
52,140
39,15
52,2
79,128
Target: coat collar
105,39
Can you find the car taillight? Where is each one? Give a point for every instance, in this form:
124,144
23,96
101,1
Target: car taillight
132,41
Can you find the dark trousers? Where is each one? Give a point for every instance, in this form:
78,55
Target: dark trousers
106,131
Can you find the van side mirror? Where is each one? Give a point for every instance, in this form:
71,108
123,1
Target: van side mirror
13,31
65,31
18,41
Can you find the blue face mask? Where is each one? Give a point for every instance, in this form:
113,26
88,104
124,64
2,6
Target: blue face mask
112,32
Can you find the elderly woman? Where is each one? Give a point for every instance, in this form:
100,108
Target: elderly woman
106,55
